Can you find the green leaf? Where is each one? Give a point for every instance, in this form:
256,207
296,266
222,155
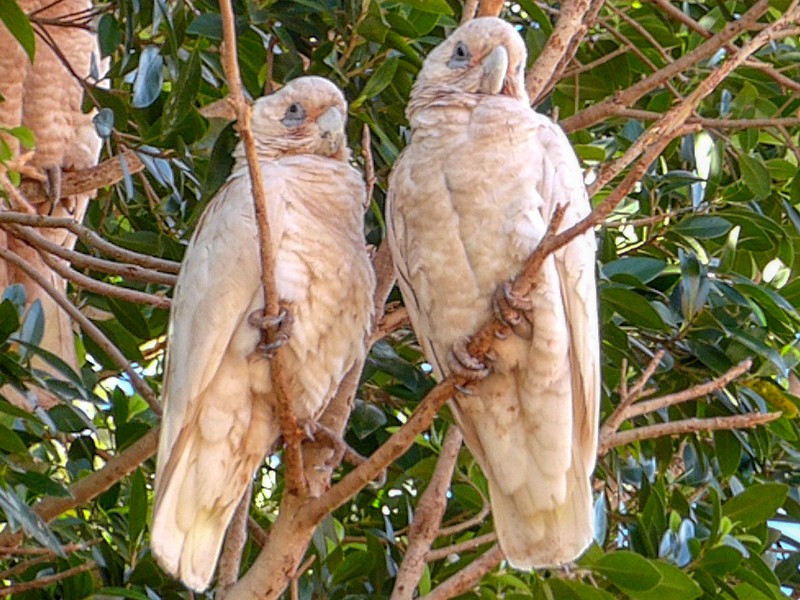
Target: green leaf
20,27
11,442
366,418
440,7
720,560
149,78
633,308
755,175
756,504
703,227
642,268
20,514
575,590
381,78
137,507
674,584
628,571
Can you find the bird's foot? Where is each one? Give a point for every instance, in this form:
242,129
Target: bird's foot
511,309
52,186
275,331
463,364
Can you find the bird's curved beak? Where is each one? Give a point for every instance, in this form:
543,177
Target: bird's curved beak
331,128
494,69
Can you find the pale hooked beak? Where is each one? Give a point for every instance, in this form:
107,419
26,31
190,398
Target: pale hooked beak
331,128
495,67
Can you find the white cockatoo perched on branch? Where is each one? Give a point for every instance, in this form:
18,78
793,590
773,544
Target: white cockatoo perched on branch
469,200
219,408
46,98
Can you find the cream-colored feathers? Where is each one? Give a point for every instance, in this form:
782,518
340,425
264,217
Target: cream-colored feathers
469,199
46,98
219,420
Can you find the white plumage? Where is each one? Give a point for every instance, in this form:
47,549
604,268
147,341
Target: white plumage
219,409
469,200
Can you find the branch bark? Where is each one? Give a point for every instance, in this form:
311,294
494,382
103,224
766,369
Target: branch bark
292,433
427,518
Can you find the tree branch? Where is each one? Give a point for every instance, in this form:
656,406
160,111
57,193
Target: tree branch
466,546
468,577
647,432
139,384
560,48
45,580
90,238
78,259
627,97
293,434
97,482
427,518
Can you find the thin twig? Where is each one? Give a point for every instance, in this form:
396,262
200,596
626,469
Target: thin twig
90,238
139,384
46,580
622,438
628,397
292,432
626,98
465,546
79,259
697,391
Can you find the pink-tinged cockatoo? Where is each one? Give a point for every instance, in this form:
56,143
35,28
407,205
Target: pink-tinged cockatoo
219,407
469,200
46,98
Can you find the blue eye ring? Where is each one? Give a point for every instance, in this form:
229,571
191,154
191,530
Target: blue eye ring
460,58
295,115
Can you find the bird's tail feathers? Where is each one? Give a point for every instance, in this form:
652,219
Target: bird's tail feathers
533,539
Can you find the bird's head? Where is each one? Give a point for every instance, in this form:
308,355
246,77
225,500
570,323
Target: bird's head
484,56
306,116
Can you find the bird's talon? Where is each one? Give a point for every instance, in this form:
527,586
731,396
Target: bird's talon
466,390
53,183
462,363
512,310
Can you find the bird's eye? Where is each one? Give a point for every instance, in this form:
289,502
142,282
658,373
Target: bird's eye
460,58
295,115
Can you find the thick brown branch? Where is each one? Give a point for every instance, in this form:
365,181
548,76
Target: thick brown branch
139,384
622,438
230,561
427,517
292,433
559,48
490,8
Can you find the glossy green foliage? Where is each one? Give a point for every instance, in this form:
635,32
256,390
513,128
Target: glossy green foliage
700,260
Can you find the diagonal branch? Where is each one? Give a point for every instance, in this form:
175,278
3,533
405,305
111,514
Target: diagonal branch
560,48
139,384
627,97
